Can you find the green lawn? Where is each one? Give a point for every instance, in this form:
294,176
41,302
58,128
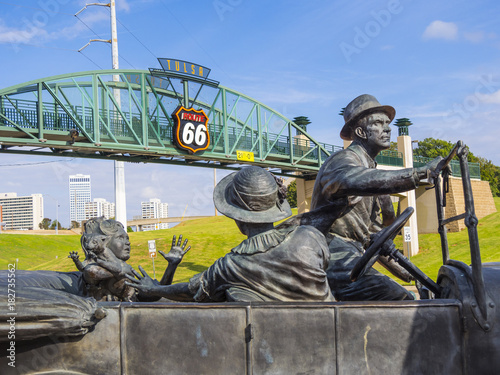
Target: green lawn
430,258
211,238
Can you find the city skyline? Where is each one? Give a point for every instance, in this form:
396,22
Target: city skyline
437,65
80,192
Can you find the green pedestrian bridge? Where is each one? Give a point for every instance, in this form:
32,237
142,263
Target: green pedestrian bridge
127,115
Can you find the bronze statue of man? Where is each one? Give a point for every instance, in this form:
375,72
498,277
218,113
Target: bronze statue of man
351,173
286,263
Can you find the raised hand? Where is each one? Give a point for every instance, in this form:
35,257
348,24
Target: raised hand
173,258
143,282
177,251
73,255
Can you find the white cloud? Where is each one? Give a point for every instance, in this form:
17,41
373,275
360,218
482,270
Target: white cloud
441,30
150,192
83,23
123,5
17,35
386,47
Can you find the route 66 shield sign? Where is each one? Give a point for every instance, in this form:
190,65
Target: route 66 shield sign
190,131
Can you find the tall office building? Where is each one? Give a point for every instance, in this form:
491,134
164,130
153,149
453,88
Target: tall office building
21,212
99,207
79,193
154,209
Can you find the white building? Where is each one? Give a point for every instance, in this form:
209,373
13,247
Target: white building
79,194
154,209
99,207
21,212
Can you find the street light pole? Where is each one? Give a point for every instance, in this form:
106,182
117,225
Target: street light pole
119,166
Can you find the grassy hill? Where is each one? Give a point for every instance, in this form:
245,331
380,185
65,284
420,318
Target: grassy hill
430,258
211,238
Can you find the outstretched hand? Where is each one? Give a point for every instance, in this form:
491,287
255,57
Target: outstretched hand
177,251
143,282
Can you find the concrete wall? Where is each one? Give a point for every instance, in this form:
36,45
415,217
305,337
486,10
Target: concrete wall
483,201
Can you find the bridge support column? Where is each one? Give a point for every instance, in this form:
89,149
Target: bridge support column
408,199
120,198
304,194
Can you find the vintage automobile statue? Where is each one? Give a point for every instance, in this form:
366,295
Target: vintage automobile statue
453,329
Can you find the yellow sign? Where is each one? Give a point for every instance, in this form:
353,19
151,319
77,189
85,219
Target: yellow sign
244,155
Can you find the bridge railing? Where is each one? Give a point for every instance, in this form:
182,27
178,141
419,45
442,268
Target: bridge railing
24,113
474,168
138,121
388,157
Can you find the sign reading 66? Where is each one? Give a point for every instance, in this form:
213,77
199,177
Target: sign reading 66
190,129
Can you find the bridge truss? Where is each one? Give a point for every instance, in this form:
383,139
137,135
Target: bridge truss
126,115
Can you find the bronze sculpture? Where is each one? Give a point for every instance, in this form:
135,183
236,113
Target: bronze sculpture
351,174
273,264
101,277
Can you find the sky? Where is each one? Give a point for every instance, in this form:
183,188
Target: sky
436,63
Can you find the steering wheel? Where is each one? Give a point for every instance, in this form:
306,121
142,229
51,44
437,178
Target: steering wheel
372,253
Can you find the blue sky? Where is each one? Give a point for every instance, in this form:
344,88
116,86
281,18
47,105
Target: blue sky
437,63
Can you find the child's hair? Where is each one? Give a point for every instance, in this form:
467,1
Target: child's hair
96,233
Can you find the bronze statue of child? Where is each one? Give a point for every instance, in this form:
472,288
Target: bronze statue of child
107,248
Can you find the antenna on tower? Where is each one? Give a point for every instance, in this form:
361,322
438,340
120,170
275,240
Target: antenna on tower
120,198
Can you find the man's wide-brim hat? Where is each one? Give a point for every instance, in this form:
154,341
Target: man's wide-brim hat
361,106
251,195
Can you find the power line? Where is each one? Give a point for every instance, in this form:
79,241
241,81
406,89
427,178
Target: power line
131,33
92,61
194,39
38,163
68,14
88,27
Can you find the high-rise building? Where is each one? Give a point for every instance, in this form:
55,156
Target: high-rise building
154,209
79,194
99,207
21,212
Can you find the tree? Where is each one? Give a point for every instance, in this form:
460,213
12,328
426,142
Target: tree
490,173
45,223
75,224
302,122
291,195
432,148
394,146
54,223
